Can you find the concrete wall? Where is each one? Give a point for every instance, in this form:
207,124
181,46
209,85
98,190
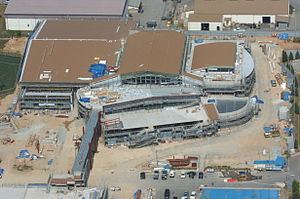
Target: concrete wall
196,26
248,19
21,23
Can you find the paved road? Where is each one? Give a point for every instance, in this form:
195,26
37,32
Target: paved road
294,167
254,33
296,15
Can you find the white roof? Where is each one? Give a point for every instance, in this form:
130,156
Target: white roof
66,7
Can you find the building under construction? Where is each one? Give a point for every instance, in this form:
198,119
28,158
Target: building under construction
142,89
62,56
224,67
58,56
134,87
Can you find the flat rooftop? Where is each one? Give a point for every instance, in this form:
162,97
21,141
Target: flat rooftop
63,50
258,7
85,29
66,8
214,54
139,119
156,51
237,193
64,61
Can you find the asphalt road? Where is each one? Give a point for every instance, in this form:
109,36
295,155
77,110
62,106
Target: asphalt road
248,33
296,15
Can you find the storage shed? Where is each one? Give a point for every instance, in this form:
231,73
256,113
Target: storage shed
25,16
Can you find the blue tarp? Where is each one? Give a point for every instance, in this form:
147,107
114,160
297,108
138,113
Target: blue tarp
268,129
85,99
24,153
283,36
257,100
288,131
285,96
198,41
98,70
1,171
278,162
264,162
221,193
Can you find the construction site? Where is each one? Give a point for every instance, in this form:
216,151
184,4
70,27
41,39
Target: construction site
123,92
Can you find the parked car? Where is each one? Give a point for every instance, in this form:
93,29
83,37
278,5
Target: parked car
164,174
142,175
167,194
191,174
172,174
273,83
185,195
156,175
182,175
201,174
193,195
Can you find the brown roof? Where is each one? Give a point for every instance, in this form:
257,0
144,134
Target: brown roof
214,54
85,29
157,51
67,60
264,7
205,18
211,111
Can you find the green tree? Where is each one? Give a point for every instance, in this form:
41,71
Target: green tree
296,144
297,55
296,92
288,66
295,190
292,69
284,57
296,82
297,110
291,56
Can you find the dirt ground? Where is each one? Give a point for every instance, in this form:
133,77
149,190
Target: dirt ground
61,154
15,45
282,44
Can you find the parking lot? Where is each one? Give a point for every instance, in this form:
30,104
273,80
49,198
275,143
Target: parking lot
183,181
152,11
